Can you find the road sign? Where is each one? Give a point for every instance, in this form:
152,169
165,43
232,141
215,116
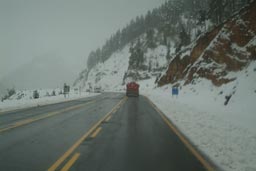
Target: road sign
175,91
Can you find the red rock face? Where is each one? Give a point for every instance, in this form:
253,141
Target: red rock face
228,47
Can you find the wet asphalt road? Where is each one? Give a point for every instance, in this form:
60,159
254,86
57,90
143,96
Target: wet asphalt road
132,137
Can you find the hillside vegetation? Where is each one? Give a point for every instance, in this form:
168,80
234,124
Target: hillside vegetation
229,47
151,41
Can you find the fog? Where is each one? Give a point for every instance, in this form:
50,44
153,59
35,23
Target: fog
62,30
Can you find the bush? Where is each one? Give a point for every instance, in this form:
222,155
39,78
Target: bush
35,94
10,92
53,93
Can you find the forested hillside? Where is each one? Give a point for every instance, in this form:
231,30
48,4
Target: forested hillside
169,29
167,20
229,47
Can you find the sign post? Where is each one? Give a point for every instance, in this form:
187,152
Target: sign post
66,90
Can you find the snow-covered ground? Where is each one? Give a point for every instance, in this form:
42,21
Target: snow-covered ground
24,99
227,134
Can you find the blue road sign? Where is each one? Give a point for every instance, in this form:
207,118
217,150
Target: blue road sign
175,91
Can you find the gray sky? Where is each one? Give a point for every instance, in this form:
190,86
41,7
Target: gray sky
69,29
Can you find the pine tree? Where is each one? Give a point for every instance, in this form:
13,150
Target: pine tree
184,37
168,55
137,56
150,38
217,10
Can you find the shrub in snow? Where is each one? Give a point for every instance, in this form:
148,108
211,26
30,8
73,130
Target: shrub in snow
53,93
35,94
10,92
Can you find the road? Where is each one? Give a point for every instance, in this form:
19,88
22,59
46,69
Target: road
109,132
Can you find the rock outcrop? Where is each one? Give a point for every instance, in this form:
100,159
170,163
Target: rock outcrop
227,48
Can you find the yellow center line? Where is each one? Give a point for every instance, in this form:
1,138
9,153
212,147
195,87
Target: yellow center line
28,121
69,164
184,140
77,143
96,132
22,122
108,118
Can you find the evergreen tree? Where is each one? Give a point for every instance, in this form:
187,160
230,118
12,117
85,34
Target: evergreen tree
137,56
184,37
149,66
217,10
168,55
150,38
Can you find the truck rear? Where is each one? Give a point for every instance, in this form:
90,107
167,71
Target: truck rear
132,89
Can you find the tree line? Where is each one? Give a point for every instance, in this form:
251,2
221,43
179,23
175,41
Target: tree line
166,21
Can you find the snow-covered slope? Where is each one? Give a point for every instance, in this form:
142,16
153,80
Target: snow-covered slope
227,48
109,75
114,73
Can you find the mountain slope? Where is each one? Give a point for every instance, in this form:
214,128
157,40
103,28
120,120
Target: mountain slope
115,72
227,48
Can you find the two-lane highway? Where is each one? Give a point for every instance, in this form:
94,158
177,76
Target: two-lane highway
109,132
33,139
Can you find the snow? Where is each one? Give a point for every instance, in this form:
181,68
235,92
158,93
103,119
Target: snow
156,56
226,134
109,75
15,102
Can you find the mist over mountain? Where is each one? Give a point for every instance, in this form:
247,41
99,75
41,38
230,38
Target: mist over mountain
2,90
46,71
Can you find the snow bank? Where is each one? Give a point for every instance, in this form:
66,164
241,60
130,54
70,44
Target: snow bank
227,134
23,99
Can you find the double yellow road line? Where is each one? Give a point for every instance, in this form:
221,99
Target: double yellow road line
69,164
44,116
93,132
75,157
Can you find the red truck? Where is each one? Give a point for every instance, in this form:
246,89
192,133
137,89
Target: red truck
132,89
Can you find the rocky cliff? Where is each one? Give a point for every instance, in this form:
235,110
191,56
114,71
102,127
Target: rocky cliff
227,48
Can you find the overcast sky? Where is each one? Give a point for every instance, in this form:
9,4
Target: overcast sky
69,29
